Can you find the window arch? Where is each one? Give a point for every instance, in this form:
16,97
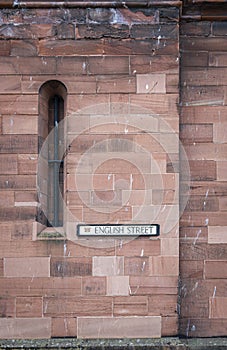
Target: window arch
52,106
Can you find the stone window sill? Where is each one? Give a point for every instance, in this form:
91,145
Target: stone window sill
41,232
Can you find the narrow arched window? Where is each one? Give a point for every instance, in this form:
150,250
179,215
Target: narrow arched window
55,163
52,102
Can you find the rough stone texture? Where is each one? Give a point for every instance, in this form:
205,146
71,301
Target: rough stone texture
203,238
125,327
118,69
27,267
27,328
119,65
106,69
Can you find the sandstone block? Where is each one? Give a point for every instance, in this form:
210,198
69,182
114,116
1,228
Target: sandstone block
108,65
27,267
29,307
151,83
124,327
164,266
117,285
217,234
107,265
77,306
69,267
63,327
93,285
25,328
130,306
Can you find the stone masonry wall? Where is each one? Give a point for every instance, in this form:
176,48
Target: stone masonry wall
203,121
118,65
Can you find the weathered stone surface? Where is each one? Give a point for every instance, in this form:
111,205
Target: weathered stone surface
103,59
202,238
27,328
69,267
125,327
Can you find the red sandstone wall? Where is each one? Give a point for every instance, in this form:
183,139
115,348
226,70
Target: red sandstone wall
203,234
53,287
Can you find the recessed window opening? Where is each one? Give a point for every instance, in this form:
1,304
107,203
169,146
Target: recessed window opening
51,133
